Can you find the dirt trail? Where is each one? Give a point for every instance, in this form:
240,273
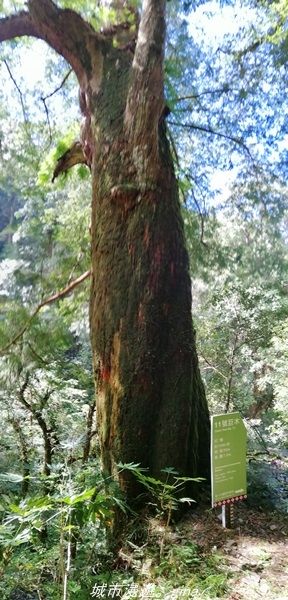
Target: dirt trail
255,551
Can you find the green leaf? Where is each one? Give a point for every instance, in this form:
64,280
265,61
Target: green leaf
189,500
169,470
79,497
11,477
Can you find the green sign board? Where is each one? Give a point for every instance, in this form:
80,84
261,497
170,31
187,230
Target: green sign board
228,458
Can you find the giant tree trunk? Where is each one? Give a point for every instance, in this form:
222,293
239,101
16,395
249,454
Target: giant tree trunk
151,404
149,390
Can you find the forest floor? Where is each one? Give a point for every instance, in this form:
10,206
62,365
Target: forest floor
254,553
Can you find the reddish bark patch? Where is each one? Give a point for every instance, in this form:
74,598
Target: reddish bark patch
157,258
105,374
153,281
146,237
141,318
88,151
157,262
165,308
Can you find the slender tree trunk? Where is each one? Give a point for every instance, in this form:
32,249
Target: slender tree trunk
86,454
89,432
24,453
231,373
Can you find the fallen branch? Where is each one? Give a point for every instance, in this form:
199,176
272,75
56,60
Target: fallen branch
49,300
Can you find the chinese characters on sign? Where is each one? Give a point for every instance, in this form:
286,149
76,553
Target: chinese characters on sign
228,459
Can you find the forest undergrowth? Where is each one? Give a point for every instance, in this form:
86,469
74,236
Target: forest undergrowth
193,558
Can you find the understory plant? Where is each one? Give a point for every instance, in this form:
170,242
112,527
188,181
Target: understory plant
52,530
165,495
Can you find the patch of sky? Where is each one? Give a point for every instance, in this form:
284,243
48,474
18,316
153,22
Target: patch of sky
212,24
30,72
216,21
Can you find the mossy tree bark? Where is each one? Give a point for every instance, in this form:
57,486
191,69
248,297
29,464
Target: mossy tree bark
151,404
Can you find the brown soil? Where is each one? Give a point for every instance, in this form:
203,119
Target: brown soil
255,551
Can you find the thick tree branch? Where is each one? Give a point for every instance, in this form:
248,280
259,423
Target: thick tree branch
17,25
65,31
73,156
151,37
145,100
49,300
